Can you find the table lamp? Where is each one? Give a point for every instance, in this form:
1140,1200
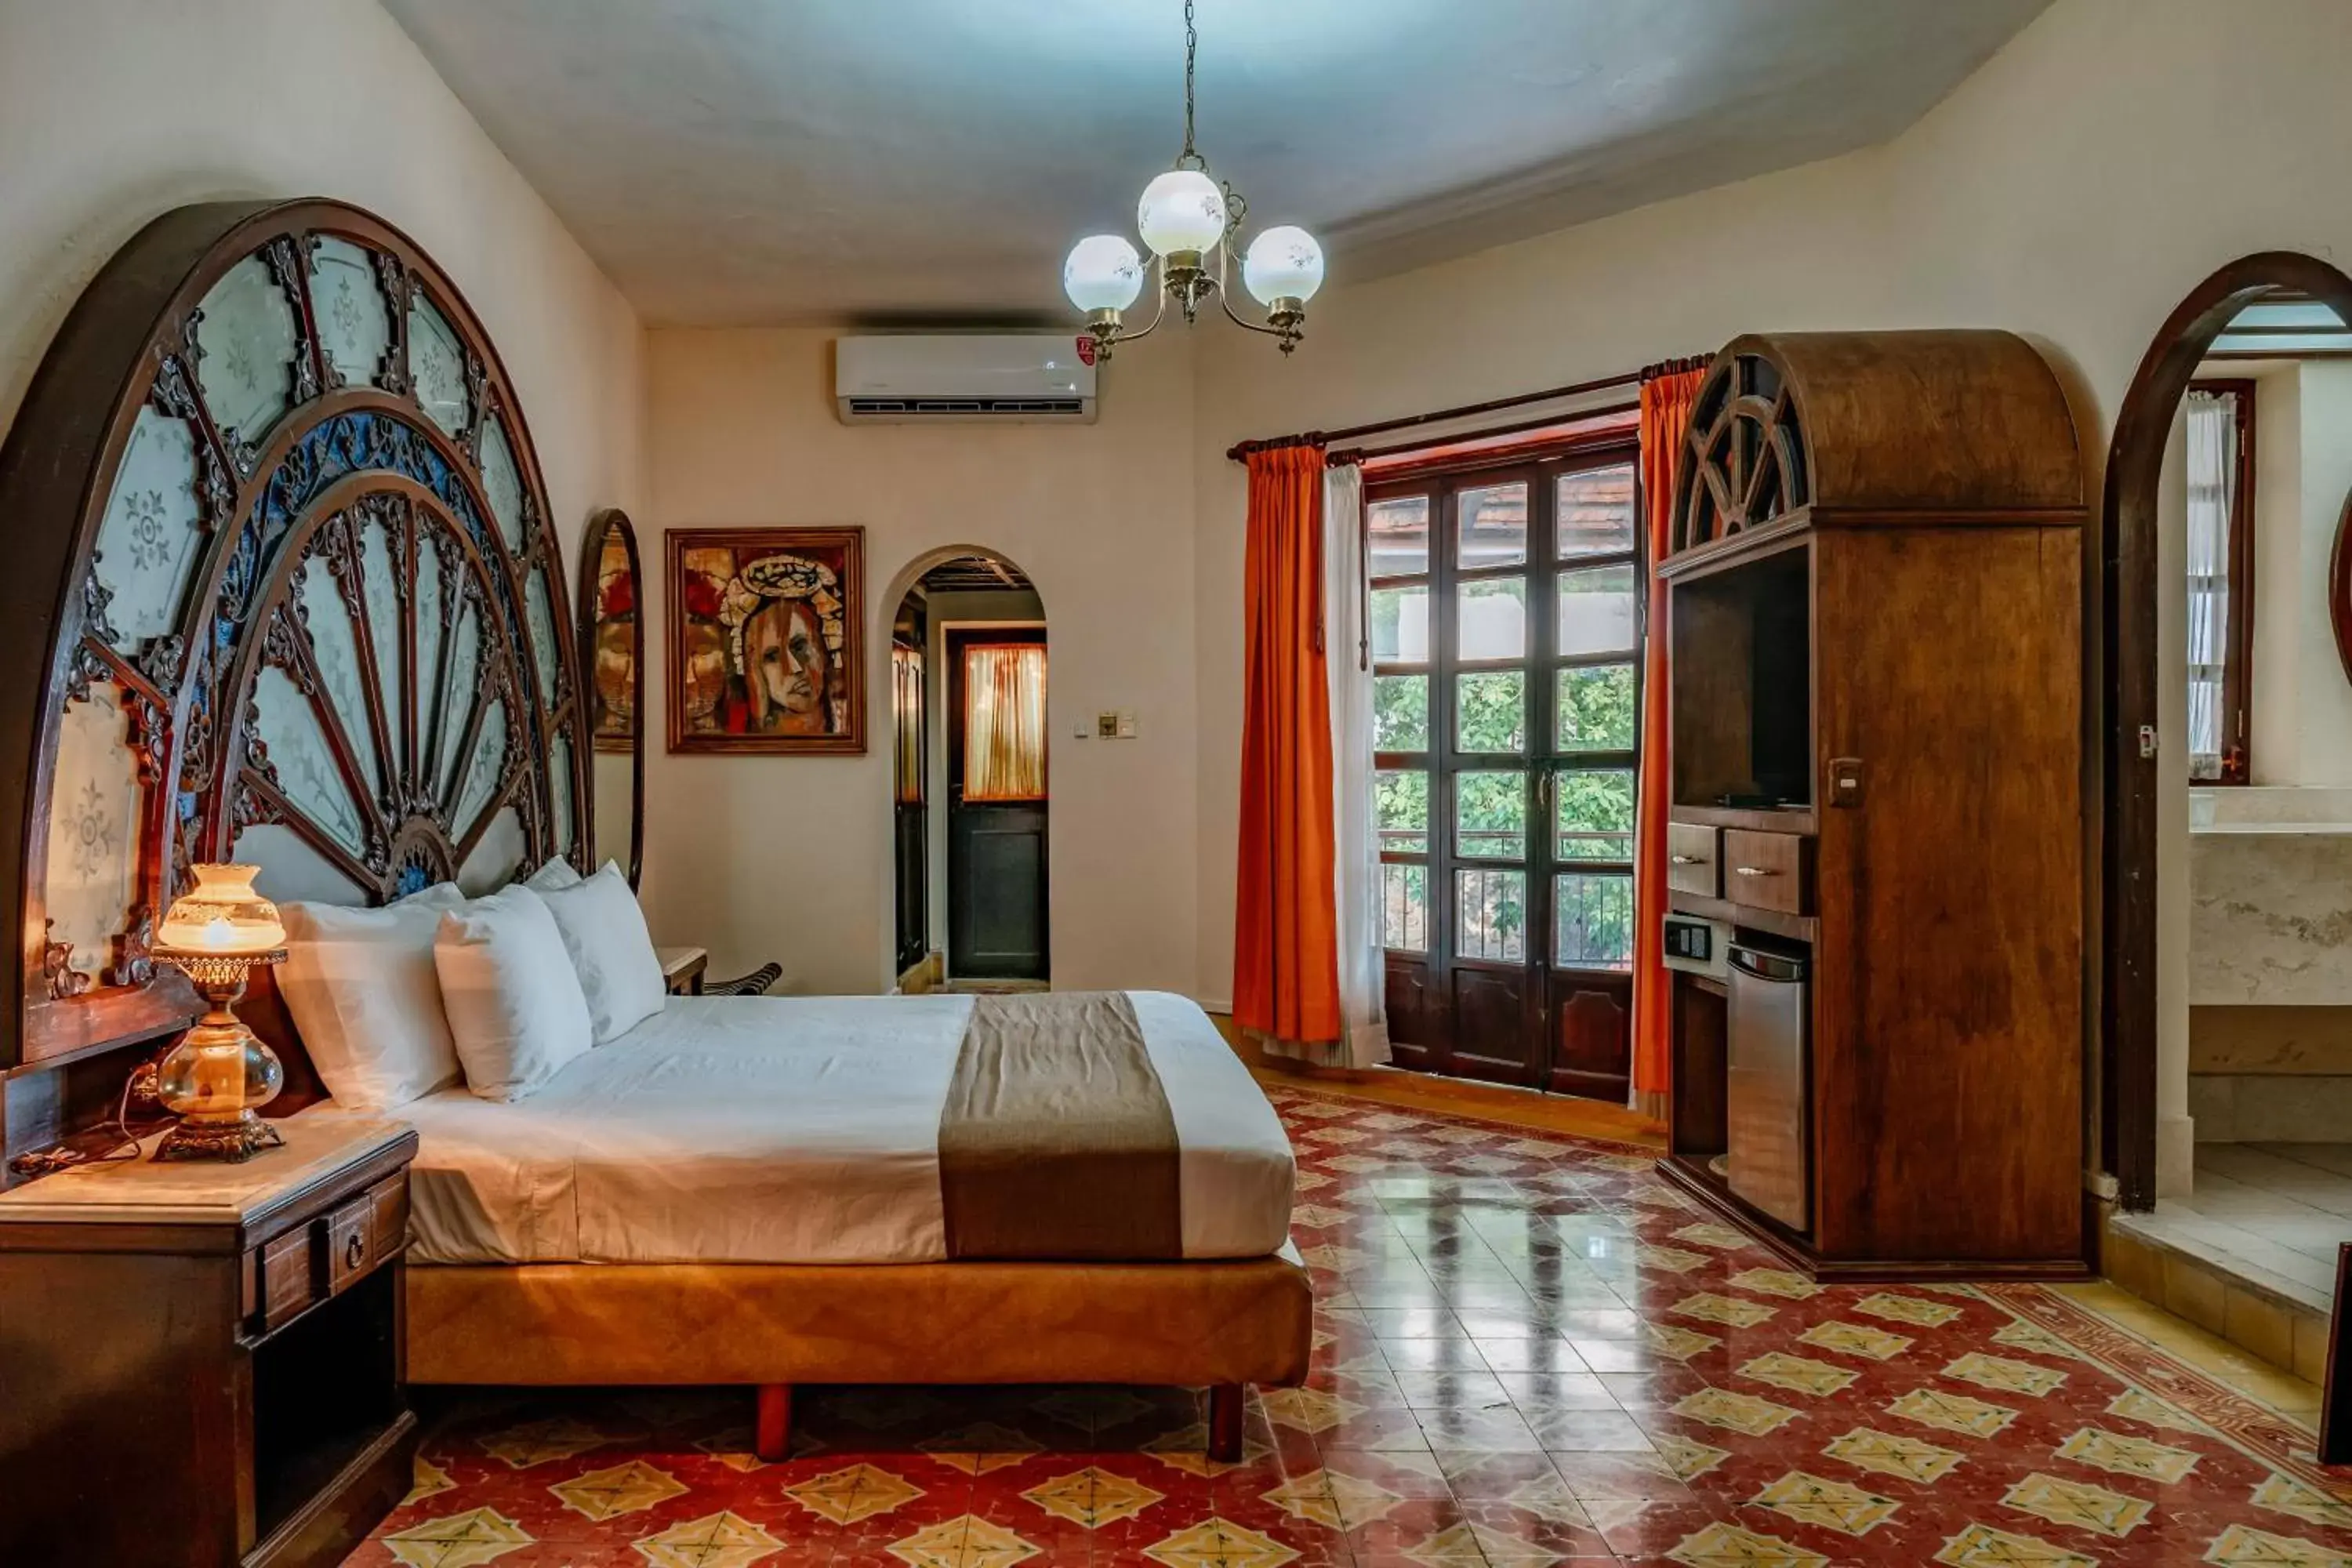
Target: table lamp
218,1074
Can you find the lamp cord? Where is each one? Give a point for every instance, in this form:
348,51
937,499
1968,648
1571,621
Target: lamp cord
122,1146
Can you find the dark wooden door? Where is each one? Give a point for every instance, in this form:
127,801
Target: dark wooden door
997,927
1505,608
910,791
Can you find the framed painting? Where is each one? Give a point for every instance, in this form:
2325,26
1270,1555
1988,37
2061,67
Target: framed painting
766,646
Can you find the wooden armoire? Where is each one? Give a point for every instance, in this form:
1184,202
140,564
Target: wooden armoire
1876,836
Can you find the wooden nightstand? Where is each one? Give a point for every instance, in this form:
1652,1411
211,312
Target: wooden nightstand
204,1362
682,969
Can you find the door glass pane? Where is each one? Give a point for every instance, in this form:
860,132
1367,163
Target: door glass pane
1490,814
1490,711
1594,814
1401,713
1491,914
1494,619
1494,526
1005,721
1596,511
1397,535
1596,709
1596,610
1592,913
1404,908
1400,625
1401,811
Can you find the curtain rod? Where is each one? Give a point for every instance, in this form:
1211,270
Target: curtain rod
1340,457
1241,451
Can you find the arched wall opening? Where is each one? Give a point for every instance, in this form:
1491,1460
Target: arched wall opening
964,686
2159,737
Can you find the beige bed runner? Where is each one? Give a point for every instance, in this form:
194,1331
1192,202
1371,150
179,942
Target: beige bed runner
1057,1141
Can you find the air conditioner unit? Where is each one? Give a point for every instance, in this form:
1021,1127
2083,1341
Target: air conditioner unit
1002,378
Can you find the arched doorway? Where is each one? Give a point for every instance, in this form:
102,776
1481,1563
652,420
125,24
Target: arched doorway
969,798
2146,742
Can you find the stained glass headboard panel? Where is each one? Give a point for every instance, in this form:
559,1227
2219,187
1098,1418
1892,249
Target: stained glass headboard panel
284,589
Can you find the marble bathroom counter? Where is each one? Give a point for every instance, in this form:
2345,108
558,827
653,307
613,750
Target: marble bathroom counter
2270,877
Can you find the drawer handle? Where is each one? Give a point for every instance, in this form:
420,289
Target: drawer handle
354,1250
1754,871
1687,860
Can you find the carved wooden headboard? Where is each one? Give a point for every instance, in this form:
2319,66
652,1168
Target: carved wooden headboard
282,588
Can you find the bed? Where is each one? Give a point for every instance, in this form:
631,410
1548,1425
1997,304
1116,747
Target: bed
305,615
780,1191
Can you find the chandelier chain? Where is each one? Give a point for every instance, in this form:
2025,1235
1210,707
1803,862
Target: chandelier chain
1189,157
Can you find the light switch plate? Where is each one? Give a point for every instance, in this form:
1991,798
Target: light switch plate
1107,726
1126,724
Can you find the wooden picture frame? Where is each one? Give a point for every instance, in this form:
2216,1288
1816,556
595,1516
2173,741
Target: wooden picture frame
790,601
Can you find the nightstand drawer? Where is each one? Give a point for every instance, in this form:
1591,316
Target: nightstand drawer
289,1275
365,1230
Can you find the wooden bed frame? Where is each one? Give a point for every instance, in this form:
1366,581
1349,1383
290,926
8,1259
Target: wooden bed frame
1218,1324
360,456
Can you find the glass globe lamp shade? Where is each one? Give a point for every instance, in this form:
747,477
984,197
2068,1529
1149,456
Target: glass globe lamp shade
1283,263
1103,273
222,914
1182,210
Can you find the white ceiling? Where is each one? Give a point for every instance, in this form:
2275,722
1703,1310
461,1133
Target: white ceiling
734,161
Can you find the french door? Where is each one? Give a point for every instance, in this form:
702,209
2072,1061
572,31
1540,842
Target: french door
1505,631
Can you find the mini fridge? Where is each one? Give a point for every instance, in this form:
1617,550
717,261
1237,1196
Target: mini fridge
1768,1095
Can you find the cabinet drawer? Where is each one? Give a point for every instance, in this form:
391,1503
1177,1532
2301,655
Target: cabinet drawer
1768,871
289,1275
1692,863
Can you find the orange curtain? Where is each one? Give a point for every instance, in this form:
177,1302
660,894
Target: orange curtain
1005,721
1665,420
1286,919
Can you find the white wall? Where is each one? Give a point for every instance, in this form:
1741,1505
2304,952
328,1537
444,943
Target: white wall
2281,560
789,858
112,111
2323,693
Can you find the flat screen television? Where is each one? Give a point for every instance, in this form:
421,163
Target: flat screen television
1742,662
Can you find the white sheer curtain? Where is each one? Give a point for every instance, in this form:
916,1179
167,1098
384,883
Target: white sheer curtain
1005,721
1363,1010
2212,464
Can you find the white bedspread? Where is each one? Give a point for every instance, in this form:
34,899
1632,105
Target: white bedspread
790,1129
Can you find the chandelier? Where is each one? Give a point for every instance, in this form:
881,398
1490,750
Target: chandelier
1193,224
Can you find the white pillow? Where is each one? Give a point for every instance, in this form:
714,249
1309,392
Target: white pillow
556,874
363,991
515,1009
604,932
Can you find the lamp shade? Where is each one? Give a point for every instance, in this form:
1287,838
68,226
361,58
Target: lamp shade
1181,210
1103,273
1283,263
222,914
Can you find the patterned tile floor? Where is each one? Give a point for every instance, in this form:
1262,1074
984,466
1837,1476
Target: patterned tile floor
1528,1351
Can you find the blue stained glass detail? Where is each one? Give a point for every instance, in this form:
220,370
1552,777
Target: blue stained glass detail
359,441
412,880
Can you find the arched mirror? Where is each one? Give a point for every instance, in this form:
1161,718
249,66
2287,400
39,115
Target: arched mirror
612,646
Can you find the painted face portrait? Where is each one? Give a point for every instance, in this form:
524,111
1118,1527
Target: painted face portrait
787,667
